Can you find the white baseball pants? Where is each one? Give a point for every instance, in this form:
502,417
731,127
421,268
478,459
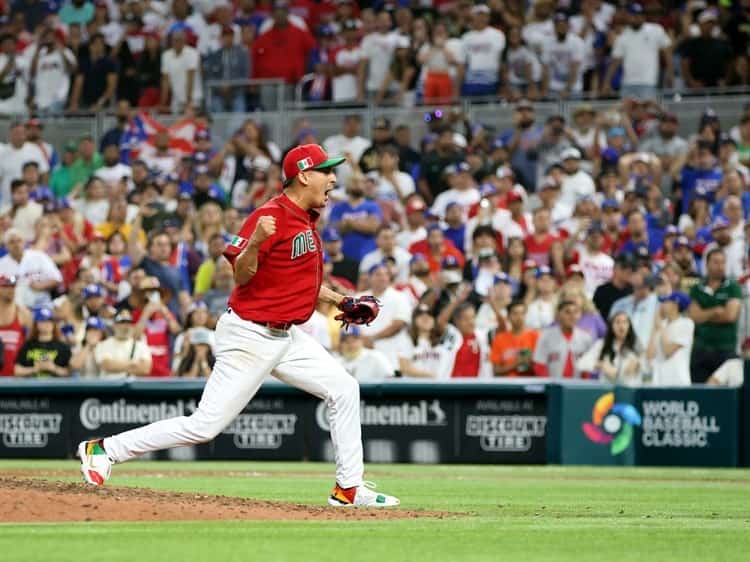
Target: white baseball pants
245,353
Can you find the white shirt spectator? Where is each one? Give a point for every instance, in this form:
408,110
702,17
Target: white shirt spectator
11,165
344,86
15,87
163,163
452,342
402,257
734,254
576,186
369,365
466,198
35,266
407,237
387,190
52,80
596,268
427,357
340,145
486,318
24,219
112,175
675,369
639,51
209,39
536,33
731,373
553,348
559,56
483,50
176,68
518,60
120,350
317,327
540,314
622,362
395,306
377,49
93,211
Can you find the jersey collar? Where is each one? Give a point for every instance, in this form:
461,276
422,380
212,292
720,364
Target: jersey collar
311,215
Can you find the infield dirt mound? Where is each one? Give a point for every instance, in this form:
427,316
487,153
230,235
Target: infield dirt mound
34,501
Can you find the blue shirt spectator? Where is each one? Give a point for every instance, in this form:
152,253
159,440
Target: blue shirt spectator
357,220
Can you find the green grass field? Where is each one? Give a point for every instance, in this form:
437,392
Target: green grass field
550,514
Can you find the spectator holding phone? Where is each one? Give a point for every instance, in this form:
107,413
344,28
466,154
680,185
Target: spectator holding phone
44,354
83,362
198,360
513,349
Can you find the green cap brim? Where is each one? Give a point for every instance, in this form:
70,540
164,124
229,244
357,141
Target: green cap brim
330,163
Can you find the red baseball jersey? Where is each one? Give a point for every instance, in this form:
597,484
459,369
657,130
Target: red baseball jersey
290,266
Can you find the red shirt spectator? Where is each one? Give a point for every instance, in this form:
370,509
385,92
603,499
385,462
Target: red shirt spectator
282,51
539,244
436,248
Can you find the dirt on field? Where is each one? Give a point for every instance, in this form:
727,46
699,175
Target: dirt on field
29,500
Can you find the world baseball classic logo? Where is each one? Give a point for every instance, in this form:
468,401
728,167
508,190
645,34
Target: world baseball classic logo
612,424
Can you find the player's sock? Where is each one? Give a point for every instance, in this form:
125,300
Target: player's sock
347,493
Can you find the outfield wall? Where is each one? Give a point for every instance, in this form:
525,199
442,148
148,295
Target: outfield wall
508,422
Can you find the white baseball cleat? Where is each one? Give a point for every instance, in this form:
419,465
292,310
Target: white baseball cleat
95,464
361,496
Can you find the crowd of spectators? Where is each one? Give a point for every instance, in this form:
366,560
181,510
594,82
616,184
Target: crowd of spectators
609,246
170,55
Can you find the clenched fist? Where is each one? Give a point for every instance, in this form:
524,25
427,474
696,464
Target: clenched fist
264,229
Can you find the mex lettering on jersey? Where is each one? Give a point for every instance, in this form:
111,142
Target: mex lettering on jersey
303,243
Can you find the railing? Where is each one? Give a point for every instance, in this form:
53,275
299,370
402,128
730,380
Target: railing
729,104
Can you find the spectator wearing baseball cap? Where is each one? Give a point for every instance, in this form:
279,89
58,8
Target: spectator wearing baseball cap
388,332
541,310
641,306
432,179
562,58
638,49
44,353
705,58
703,171
228,62
435,247
385,240
463,189
362,363
596,265
672,341
667,144
123,354
617,287
341,266
733,248
357,219
414,230
484,46
83,363
576,182
61,180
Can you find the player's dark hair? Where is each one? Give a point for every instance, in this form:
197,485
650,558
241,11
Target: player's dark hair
483,230
15,184
514,303
460,309
630,344
382,227
420,310
713,251
565,303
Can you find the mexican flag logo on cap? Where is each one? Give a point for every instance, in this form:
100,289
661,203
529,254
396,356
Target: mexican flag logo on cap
305,163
